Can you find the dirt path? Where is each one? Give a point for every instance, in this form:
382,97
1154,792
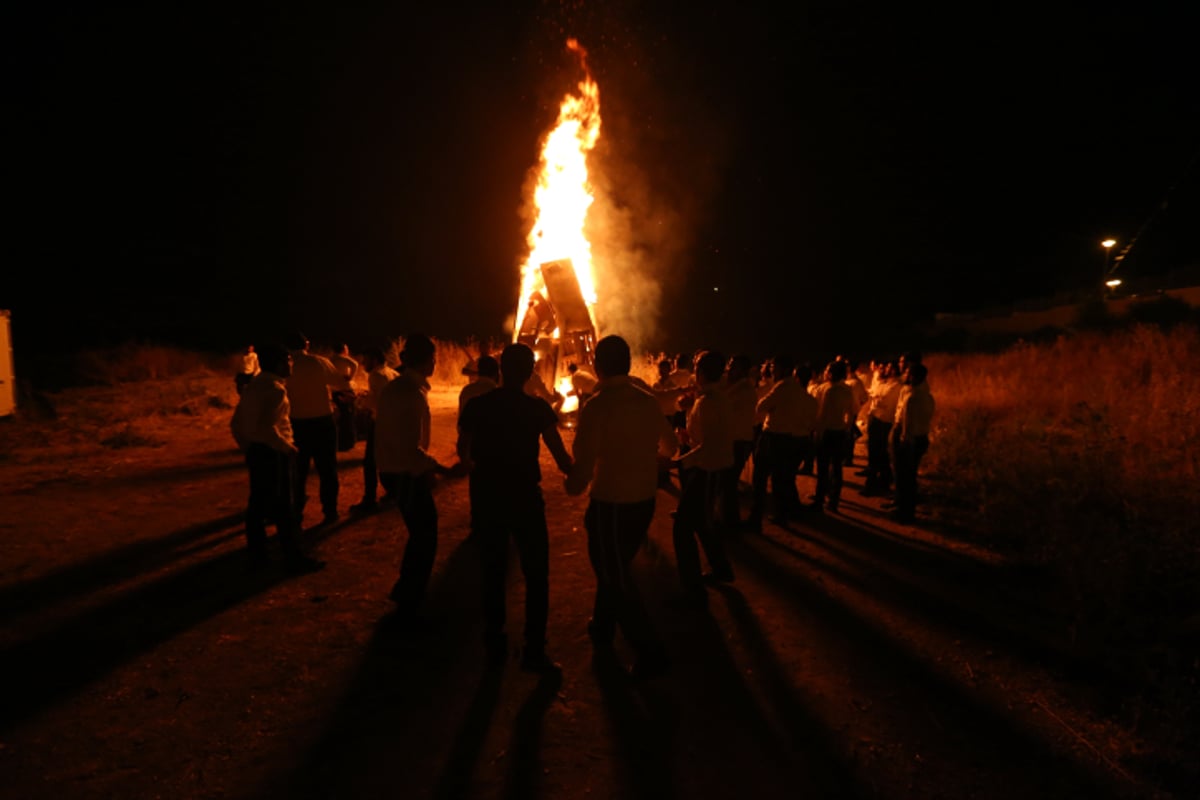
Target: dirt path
852,657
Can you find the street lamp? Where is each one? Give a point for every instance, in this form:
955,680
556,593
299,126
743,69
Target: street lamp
1107,244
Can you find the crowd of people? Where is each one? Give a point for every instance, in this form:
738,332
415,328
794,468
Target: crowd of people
704,421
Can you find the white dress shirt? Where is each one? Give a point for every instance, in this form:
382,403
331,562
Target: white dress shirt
377,378
788,408
743,402
620,435
402,426
914,414
836,408
262,417
308,386
710,429
885,394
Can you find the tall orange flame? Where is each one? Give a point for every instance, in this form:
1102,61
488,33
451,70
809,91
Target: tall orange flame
563,194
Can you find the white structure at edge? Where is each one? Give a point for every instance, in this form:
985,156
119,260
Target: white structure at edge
8,379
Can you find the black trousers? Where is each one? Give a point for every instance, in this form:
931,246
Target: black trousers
831,455
414,498
316,439
370,470
345,403
616,531
271,480
879,464
521,516
730,511
696,518
908,457
777,458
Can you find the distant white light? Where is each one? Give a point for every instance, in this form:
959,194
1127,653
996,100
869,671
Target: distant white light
716,289
1107,243
1114,283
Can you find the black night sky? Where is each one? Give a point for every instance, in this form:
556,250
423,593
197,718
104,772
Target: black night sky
213,175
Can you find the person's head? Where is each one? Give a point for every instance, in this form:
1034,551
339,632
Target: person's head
804,374
916,374
488,367
276,359
710,366
418,354
837,371
249,349
664,368
297,342
572,368
785,365
374,358
738,367
516,365
683,361
613,358
908,359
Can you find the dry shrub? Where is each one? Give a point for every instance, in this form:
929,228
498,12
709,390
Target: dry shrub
1084,455
135,361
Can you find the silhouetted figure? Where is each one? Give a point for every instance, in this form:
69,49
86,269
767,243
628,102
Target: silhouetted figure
313,425
835,415
859,392
407,471
620,440
487,379
379,375
498,440
704,466
789,414
344,400
910,439
263,430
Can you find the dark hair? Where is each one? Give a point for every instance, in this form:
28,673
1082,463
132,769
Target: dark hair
375,354
612,356
516,364
710,366
740,363
488,367
418,349
917,373
272,357
785,365
804,374
837,371
296,341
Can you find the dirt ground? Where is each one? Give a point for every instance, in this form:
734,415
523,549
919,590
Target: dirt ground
852,657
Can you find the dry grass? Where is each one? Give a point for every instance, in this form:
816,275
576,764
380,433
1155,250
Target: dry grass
1083,455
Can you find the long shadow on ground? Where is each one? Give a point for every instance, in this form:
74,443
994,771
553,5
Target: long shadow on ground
115,566
60,661
995,741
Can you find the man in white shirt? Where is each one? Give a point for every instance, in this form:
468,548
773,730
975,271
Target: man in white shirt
263,431
313,425
621,438
379,375
344,400
486,379
704,466
859,391
407,470
881,413
248,369
789,416
835,414
743,402
910,439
